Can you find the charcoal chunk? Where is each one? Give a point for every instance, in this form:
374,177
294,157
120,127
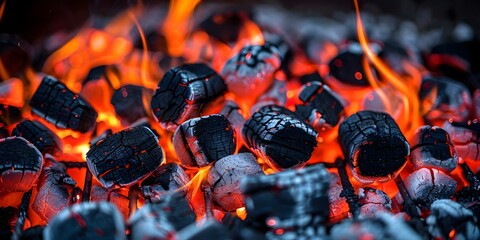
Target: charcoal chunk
168,178
39,135
125,158
55,190
210,229
293,200
347,67
162,219
280,137
183,92
465,137
57,104
20,165
373,145
320,107
201,141
86,220
129,103
432,147
373,202
101,194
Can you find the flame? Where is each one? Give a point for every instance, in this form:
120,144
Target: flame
145,58
410,120
11,92
177,25
196,182
2,9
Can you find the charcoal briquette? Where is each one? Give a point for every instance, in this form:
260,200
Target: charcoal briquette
224,179
183,92
347,66
373,201
433,147
465,137
20,165
168,178
280,137
201,141
39,135
55,190
101,194
125,158
373,145
129,102
57,104
234,114
87,220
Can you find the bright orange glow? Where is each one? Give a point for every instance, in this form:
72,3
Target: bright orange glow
177,25
11,92
195,184
2,8
241,213
411,118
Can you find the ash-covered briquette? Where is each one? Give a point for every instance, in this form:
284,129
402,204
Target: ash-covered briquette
382,226
432,147
234,115
39,135
20,165
251,71
101,194
280,137
168,178
465,137
86,220
373,145
275,95
57,104
201,141
320,107
130,101
336,200
447,217
426,185
163,219
183,92
55,190
209,229
8,218
444,99
347,66
294,201
224,179
125,158
373,202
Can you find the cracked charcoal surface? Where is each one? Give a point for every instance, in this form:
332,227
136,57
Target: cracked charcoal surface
86,220
320,107
183,92
162,219
373,201
125,158
250,72
201,141
20,165
55,190
432,147
168,178
373,145
224,179
57,104
465,137
100,194
296,199
427,185
128,102
39,135
280,137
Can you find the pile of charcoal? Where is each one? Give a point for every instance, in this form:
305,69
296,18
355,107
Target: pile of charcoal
241,153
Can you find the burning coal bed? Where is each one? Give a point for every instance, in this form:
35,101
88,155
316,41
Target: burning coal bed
229,128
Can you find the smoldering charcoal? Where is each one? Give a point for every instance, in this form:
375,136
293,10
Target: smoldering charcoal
39,135
57,104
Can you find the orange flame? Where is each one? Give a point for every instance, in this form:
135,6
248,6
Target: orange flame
177,25
410,120
2,8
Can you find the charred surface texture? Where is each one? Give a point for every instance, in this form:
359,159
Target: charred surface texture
427,185
373,145
129,103
296,200
347,67
465,137
373,202
125,158
101,194
57,104
201,141
251,71
20,165
163,219
55,190
86,221
432,147
39,135
168,178
183,92
224,179
320,106
280,137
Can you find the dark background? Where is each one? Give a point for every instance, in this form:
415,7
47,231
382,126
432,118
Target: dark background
33,20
